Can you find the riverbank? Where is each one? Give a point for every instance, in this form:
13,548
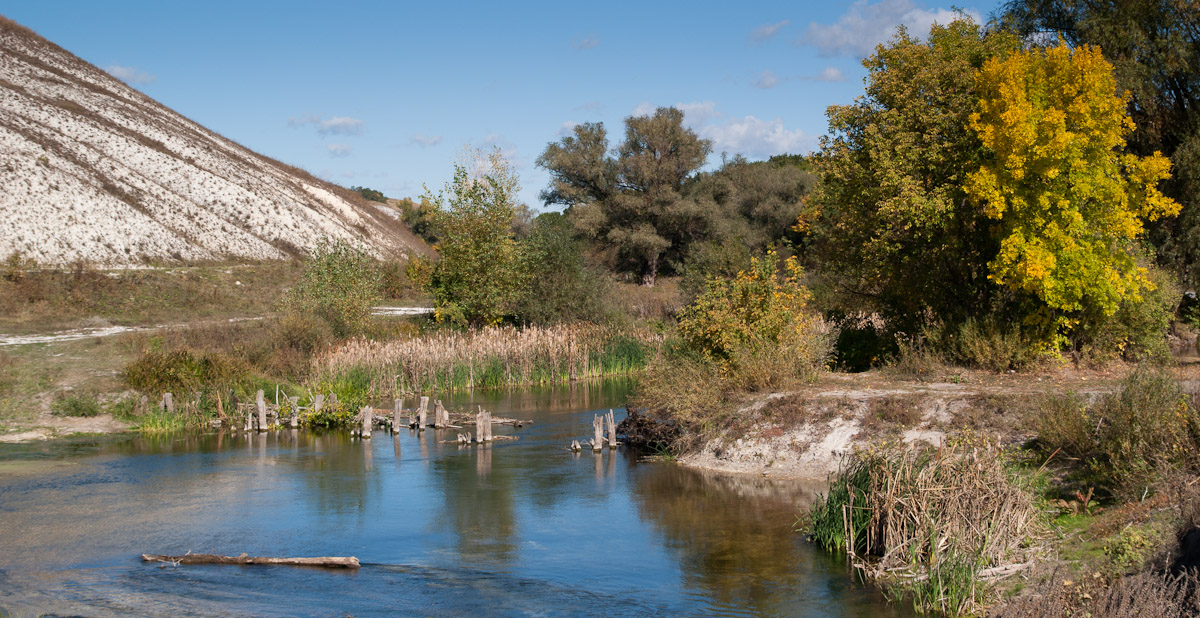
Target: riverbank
1099,459
806,433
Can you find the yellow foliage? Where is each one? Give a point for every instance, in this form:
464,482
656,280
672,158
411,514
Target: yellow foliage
1070,203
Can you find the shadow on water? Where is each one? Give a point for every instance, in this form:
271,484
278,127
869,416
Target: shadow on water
512,528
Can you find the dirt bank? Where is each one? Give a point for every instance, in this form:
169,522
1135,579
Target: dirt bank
805,433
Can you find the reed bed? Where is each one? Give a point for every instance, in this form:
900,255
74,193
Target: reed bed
933,525
490,358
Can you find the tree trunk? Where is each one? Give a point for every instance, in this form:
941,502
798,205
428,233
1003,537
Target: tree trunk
650,271
337,562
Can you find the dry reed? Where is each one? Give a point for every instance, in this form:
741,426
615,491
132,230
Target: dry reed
491,357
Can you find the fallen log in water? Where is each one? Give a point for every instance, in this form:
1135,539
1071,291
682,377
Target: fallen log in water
333,562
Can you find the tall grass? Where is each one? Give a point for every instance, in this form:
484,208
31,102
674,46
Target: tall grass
928,522
489,358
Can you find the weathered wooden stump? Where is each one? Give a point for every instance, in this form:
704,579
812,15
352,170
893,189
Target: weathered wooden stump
367,414
318,403
260,401
575,447
440,417
422,412
332,399
397,408
295,405
612,429
168,403
598,433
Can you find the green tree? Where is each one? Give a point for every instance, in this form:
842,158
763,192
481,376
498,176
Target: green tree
1069,201
339,285
1154,46
633,201
560,286
895,232
475,279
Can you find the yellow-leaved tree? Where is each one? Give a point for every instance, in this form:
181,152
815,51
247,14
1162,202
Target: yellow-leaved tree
1069,200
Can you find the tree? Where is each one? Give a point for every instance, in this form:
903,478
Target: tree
1069,201
895,231
475,280
339,285
559,284
632,201
1154,46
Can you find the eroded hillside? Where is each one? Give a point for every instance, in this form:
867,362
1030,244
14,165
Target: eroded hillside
91,169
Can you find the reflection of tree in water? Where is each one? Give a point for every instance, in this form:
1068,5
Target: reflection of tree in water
733,535
336,472
478,505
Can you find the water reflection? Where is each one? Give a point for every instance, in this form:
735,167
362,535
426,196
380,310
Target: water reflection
510,528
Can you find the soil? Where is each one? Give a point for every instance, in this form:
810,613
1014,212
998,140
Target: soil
806,433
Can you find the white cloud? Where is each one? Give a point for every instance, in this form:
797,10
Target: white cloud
749,136
830,74
766,80
130,75
567,129
337,125
865,25
754,138
426,141
764,33
340,125
339,150
588,42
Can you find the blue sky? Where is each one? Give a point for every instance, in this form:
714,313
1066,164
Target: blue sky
386,94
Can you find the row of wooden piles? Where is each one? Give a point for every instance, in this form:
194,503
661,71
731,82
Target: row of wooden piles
258,417
599,423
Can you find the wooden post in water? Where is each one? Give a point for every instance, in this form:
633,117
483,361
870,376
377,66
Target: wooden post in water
479,425
368,416
169,403
261,401
612,429
421,412
439,412
295,422
397,407
487,424
597,433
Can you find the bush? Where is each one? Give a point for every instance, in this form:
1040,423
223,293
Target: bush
1129,439
76,404
339,285
559,285
181,371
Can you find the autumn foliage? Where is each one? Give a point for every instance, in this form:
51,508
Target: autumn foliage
1069,199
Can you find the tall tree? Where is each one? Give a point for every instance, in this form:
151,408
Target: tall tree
475,280
895,230
1069,200
1154,46
632,201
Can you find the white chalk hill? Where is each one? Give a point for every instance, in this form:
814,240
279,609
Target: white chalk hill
91,169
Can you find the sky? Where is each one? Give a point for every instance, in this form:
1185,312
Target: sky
386,94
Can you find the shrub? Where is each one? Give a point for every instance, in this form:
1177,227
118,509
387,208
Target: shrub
15,266
758,315
76,404
559,285
181,371
988,344
1129,438
340,284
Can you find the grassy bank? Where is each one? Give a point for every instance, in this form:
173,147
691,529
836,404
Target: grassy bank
487,358
1087,518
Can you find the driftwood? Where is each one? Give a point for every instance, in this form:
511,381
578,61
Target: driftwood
333,562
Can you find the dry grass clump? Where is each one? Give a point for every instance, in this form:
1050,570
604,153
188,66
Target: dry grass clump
932,524
1127,441
1144,595
491,357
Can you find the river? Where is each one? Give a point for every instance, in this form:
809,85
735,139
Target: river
516,528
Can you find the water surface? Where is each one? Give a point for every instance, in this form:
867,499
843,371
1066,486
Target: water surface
521,528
